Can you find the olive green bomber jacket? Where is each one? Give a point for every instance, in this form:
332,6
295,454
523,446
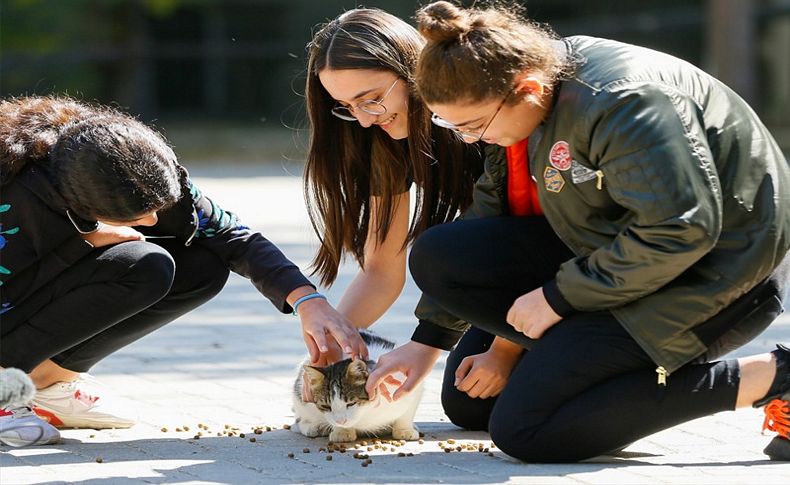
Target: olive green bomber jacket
667,187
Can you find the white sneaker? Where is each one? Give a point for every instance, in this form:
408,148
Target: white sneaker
82,403
19,426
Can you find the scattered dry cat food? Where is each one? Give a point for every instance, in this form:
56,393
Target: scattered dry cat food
328,457
178,430
490,454
290,455
99,459
258,431
451,441
422,442
285,426
164,430
241,435
364,464
306,450
197,436
92,436
186,428
252,440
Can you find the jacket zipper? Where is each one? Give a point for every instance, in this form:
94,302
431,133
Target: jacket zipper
662,375
196,222
599,183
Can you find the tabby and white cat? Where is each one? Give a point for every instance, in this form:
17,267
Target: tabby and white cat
342,408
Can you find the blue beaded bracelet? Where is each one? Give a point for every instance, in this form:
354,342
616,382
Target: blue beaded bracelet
303,299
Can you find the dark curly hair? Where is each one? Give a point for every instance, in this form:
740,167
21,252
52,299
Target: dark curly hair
104,163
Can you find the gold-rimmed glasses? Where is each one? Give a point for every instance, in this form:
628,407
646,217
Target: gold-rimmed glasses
370,106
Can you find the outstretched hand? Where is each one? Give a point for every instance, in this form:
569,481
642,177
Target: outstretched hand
328,334
413,359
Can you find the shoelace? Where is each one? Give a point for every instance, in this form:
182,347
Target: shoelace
777,417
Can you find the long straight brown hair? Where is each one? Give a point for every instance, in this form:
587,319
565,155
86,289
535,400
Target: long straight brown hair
347,164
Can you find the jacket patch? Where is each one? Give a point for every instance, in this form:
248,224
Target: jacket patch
580,173
553,179
560,155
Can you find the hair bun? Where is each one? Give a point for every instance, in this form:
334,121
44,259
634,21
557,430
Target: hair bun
442,22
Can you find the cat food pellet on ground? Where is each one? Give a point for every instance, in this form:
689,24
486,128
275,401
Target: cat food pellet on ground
197,437
241,435
186,428
286,426
422,442
306,450
490,454
448,450
422,435
258,431
328,457
401,454
99,460
369,461
290,455
364,463
164,430
92,436
178,430
370,448
452,442
252,440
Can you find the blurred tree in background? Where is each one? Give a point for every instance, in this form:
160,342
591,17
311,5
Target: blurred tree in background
243,61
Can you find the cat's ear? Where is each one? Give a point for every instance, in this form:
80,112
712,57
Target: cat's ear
358,369
315,375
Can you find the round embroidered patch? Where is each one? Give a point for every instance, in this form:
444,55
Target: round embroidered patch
560,156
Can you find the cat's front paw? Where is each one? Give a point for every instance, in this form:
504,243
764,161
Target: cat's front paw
309,429
342,435
408,434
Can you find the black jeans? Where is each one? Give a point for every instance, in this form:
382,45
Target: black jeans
583,389
106,301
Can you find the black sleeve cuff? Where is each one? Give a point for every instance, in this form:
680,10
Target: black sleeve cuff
433,335
556,301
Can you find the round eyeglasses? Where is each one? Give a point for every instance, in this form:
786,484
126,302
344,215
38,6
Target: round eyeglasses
373,107
468,136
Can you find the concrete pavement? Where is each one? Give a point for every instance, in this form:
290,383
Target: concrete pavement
230,366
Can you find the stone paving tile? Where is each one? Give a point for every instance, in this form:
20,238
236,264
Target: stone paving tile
233,361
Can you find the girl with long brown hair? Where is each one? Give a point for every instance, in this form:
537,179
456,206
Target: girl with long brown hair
371,139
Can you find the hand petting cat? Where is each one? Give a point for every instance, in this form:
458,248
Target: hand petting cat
325,331
413,359
485,375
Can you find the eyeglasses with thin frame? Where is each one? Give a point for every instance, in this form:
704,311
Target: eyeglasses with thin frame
469,136
370,106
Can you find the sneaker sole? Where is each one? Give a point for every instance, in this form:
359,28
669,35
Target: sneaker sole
65,422
778,449
18,441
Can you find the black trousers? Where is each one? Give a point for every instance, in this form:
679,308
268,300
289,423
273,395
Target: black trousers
106,301
583,389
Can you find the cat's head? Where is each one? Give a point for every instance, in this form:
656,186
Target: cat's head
339,390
